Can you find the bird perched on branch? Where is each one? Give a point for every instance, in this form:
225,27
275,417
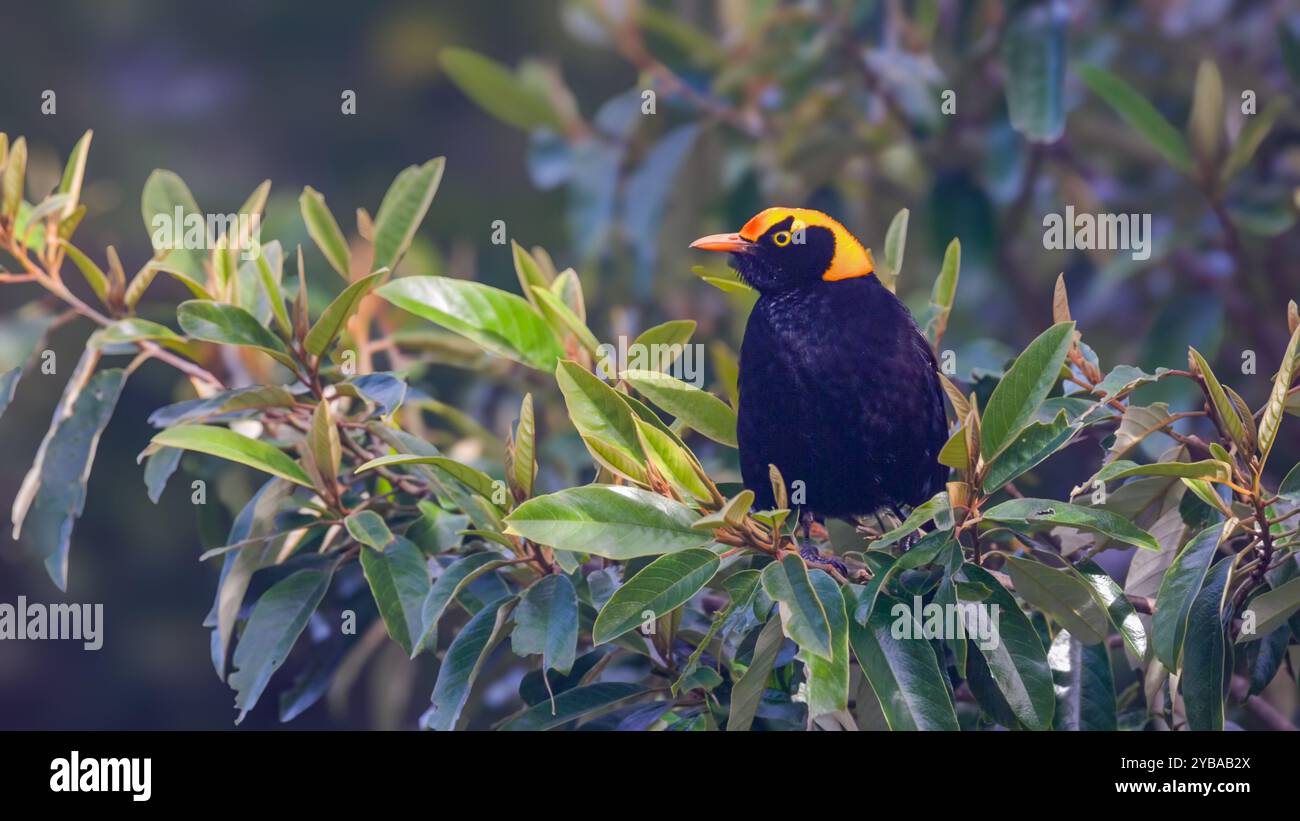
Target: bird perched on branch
838,387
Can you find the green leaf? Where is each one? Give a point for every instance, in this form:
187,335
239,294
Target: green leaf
1223,406
476,480
369,528
660,588
802,612
331,322
228,325
616,522
895,244
1033,60
1182,581
399,581
1207,661
1271,609
165,196
528,271
15,175
462,663
227,444
1018,394
324,451
1062,595
546,623
1016,660
1271,419
564,319
497,321
1205,123
904,673
158,468
403,209
1028,450
74,173
828,678
1209,469
1118,609
944,291
93,274
585,701
53,493
602,414
255,528
325,231
1135,110
748,691
672,460
1085,685
134,329
924,513
522,469
697,409
277,620
1248,141
661,345
1047,512
447,587
496,90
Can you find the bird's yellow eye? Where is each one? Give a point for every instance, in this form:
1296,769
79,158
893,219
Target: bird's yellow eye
781,238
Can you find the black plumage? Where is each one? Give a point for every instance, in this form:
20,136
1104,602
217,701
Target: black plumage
838,387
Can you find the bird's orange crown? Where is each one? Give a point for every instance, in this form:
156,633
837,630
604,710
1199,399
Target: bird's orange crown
851,259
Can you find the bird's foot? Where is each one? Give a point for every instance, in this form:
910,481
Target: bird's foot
813,555
907,542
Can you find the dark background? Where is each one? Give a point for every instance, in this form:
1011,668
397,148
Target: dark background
229,94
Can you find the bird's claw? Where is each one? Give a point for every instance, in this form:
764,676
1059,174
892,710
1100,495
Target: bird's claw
809,552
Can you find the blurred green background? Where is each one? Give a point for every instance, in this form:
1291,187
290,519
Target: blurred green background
832,105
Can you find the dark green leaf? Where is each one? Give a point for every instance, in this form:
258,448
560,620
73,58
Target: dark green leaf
1182,581
1085,686
399,581
660,588
546,623
277,620
904,673
616,522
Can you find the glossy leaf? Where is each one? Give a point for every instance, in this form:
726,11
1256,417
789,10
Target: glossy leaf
277,620
1062,595
660,588
1030,513
1182,582
802,612
497,321
399,582
325,231
336,315
1085,685
227,444
580,702
1207,661
402,210
1019,393
695,408
53,493
1016,661
546,623
461,665
904,673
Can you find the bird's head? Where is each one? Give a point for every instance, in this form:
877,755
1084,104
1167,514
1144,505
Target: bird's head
781,249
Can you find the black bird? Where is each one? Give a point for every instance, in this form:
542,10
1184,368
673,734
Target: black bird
838,388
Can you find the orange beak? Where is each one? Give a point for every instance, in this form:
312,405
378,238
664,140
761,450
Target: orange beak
733,243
